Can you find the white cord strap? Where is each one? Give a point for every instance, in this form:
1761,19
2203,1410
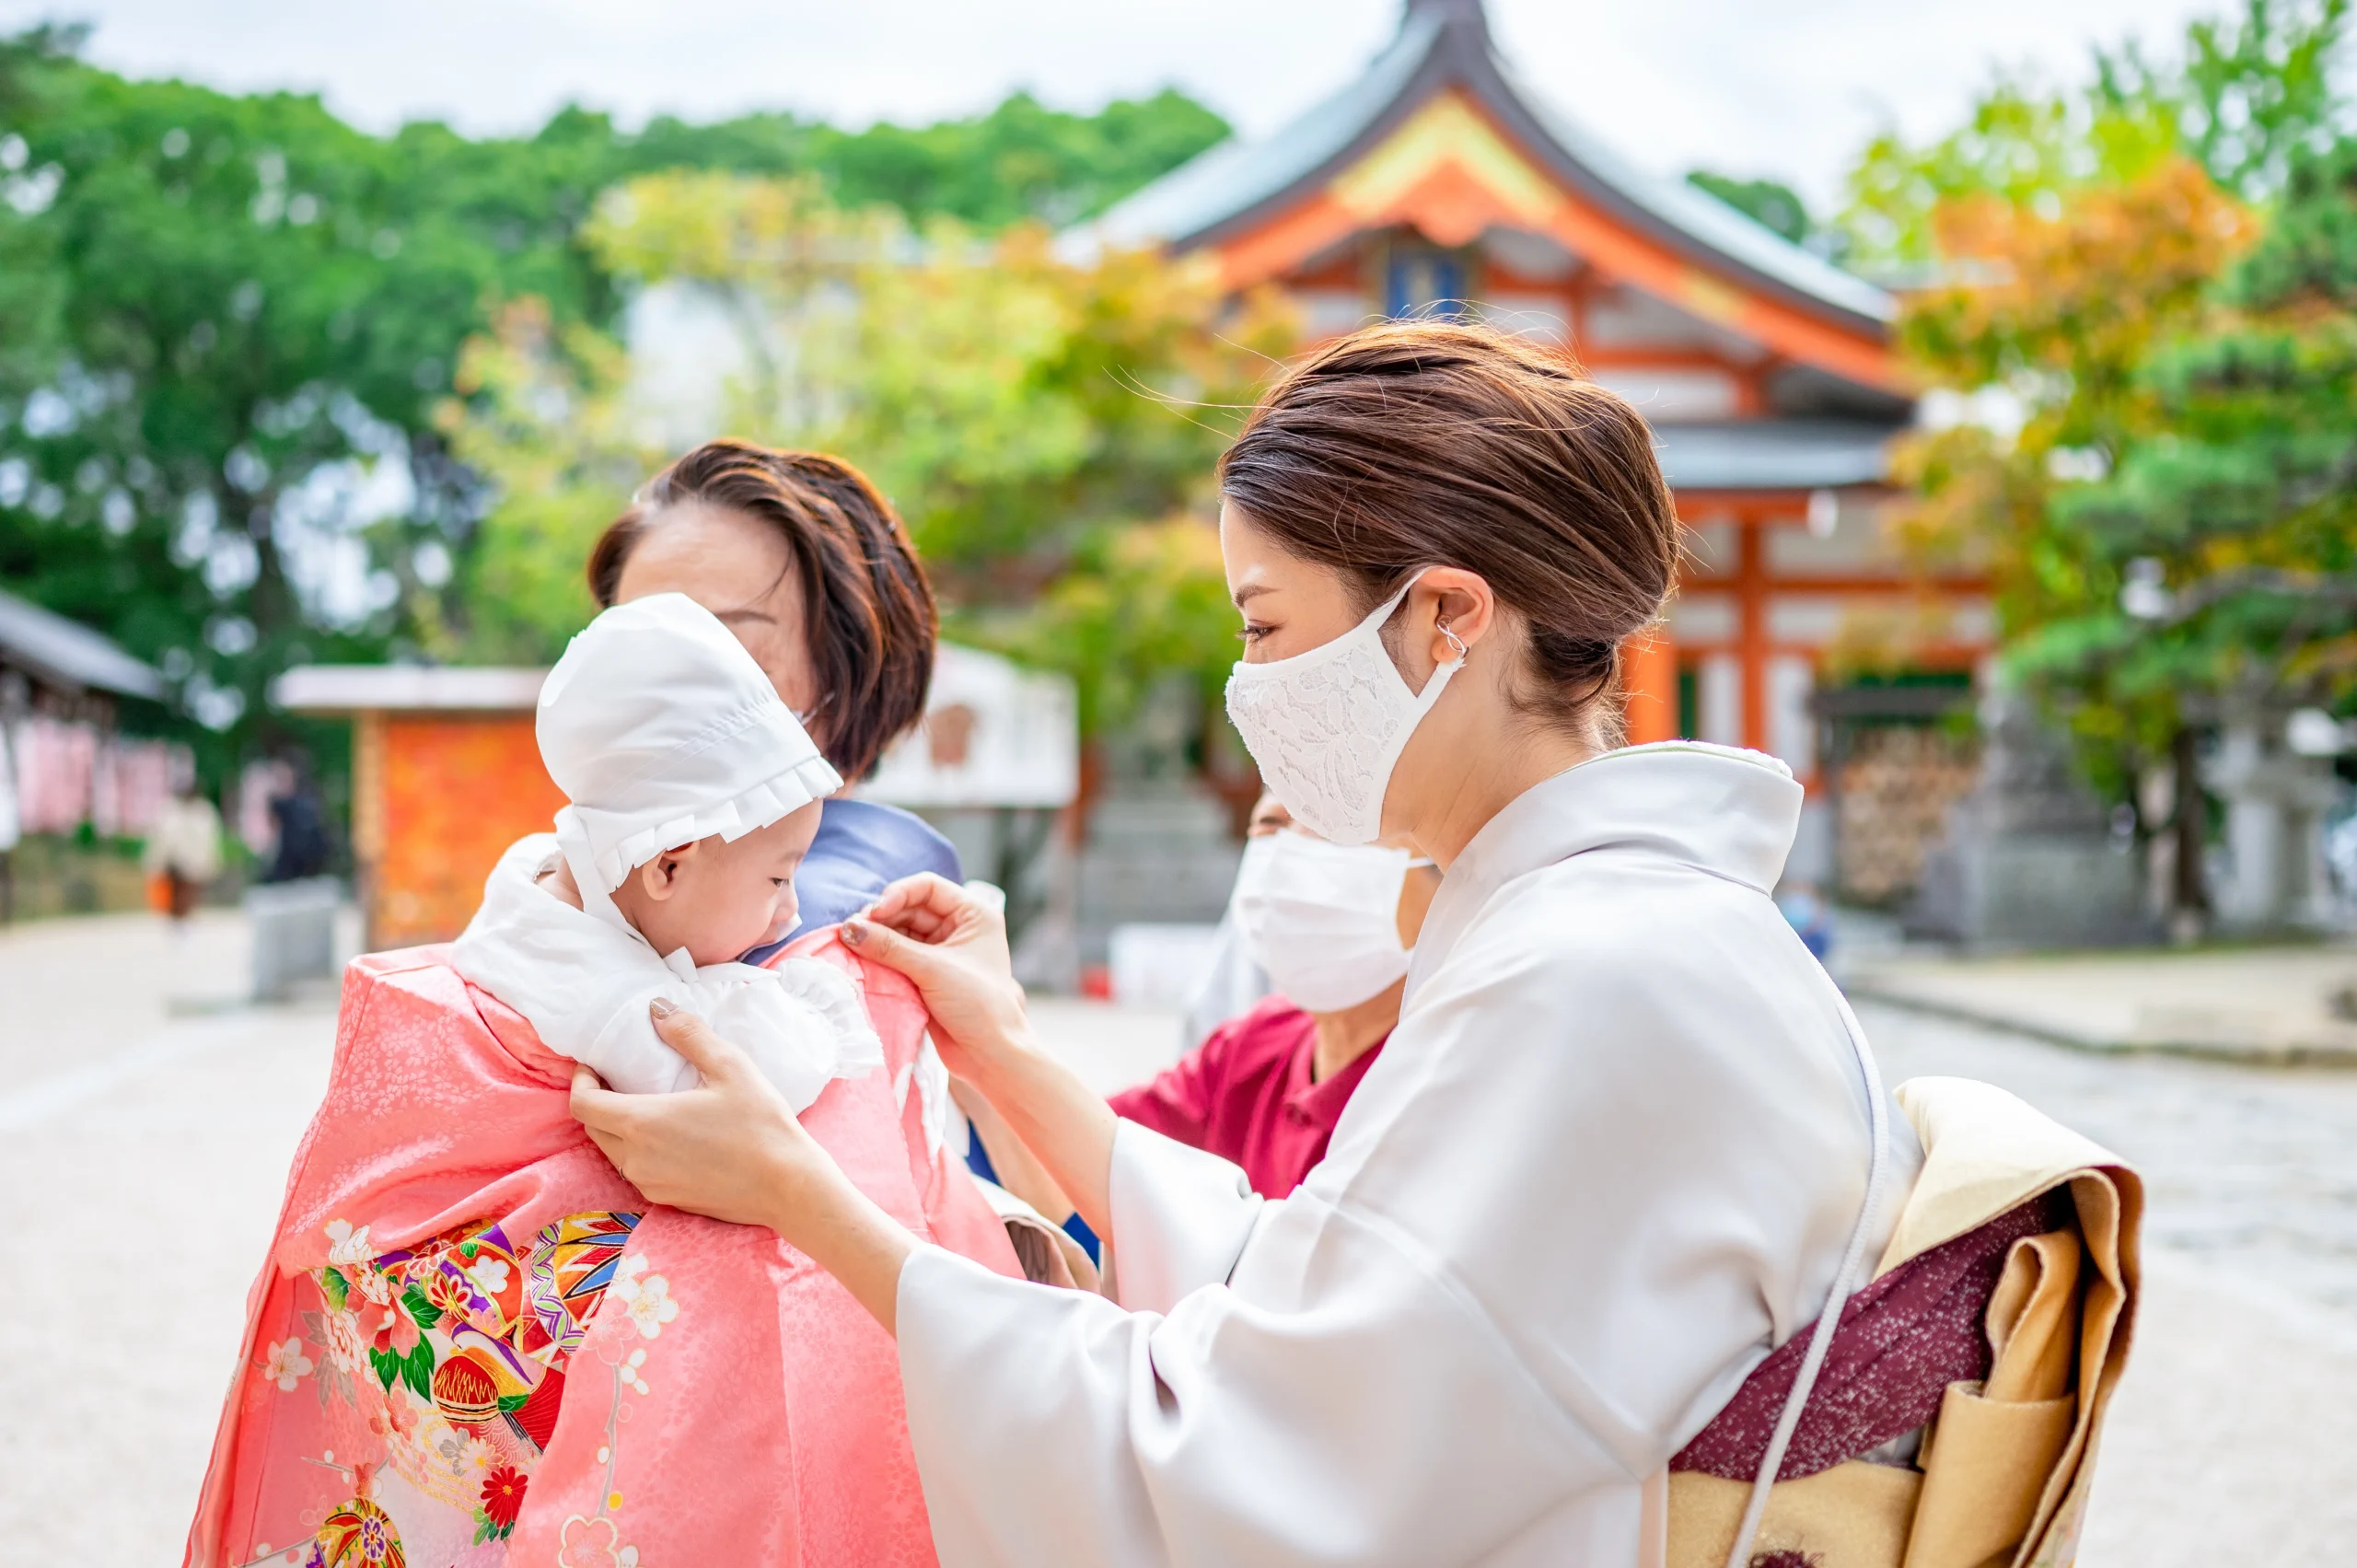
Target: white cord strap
1845,1283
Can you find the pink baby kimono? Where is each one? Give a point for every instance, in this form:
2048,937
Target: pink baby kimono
474,1344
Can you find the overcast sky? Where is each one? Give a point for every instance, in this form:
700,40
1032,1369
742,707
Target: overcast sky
1782,88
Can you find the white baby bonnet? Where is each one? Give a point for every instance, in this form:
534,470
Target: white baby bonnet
660,729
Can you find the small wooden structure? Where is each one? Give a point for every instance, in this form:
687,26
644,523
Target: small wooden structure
447,773
61,685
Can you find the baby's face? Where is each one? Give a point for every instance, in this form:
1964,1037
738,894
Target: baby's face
716,899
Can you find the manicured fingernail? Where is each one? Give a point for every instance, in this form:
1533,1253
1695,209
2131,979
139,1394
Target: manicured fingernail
854,933
659,1008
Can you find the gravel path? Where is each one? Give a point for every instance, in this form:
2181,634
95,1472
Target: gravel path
147,1146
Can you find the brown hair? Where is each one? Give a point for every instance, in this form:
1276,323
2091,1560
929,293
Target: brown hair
866,603
1425,443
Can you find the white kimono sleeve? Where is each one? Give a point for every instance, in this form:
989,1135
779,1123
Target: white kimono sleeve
1355,1408
1183,1216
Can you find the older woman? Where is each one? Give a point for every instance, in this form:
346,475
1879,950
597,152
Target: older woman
798,555
1624,1140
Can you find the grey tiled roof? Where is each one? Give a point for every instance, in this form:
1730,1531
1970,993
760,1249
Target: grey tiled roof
1235,176
1773,454
67,653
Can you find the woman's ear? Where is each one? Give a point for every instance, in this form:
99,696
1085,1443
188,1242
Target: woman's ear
1452,609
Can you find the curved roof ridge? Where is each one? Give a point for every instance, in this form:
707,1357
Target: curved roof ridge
1436,45
1237,175
1696,213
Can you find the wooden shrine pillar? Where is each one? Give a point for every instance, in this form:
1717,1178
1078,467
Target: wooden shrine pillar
1649,682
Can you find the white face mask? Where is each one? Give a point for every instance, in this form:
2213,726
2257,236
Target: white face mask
1326,726
1322,919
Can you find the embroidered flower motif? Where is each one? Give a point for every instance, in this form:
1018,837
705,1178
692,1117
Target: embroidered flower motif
346,1348
502,1496
355,1260
591,1543
397,1335
631,1373
647,1297
285,1363
447,1292
397,1423
476,1462
488,1275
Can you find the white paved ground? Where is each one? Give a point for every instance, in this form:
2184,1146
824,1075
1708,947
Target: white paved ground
142,1147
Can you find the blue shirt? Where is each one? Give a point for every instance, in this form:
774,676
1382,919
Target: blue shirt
861,849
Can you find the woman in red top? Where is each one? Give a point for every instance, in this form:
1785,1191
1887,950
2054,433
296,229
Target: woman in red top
1333,927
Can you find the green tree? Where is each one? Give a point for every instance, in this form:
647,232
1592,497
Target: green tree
2069,238
226,324
2237,98
1771,204
2231,521
1047,426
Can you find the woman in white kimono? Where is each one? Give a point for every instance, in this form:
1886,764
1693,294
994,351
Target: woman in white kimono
1621,1146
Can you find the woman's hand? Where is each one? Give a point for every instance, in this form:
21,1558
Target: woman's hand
953,945
731,1149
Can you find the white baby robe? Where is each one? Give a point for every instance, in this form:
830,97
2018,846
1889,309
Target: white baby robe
584,985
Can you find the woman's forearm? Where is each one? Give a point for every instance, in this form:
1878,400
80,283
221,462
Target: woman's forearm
847,1234
1065,1125
1018,1169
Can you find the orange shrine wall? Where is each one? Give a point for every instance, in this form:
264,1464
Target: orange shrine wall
447,796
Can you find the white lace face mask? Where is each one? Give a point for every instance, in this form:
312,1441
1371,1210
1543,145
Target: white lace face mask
1326,726
1322,919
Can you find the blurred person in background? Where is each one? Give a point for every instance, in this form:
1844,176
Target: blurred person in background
802,559
1333,927
300,825
183,852
1232,981
1805,911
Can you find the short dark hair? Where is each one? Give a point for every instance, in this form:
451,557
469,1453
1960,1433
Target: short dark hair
869,610
1428,444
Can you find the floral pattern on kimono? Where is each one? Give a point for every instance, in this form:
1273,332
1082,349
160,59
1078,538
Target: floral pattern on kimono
473,1343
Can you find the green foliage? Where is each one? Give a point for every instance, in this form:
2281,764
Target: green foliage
537,419
2241,97
2250,94
2070,243
1136,605
1049,432
1021,160
2235,512
1773,206
1047,427
229,326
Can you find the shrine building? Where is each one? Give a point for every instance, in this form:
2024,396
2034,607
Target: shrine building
1438,184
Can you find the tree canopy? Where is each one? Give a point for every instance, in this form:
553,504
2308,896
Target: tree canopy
229,325
2133,305
1046,426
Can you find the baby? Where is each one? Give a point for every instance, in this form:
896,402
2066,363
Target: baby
694,795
